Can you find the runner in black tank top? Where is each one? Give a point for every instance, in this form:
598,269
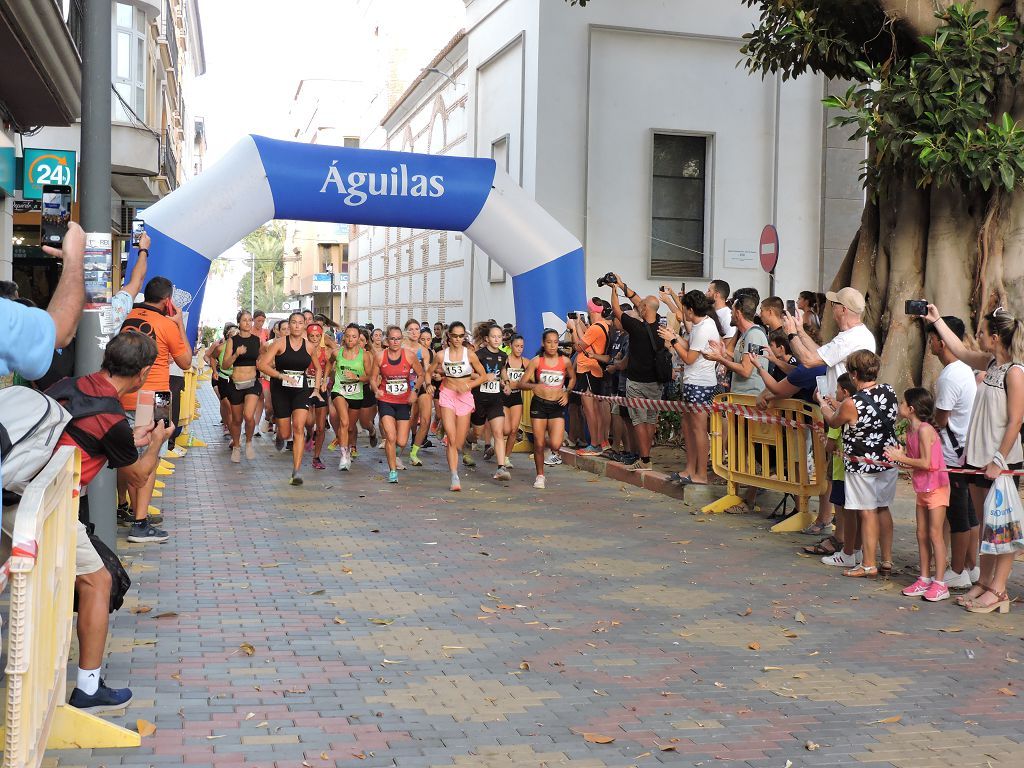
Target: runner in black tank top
285,361
489,399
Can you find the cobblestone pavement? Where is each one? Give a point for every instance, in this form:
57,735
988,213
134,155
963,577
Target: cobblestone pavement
351,622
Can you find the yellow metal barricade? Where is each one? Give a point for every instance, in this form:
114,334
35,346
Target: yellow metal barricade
783,457
42,583
526,444
188,411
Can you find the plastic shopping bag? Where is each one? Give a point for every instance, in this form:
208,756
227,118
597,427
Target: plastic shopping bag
1003,532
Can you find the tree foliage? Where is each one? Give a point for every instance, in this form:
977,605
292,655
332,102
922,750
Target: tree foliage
266,247
934,107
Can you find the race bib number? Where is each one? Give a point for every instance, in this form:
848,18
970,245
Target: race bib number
293,379
351,389
310,382
551,379
490,387
515,375
396,387
454,370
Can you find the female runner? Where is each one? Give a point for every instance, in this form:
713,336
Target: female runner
424,407
285,362
515,367
396,368
241,353
317,422
353,369
488,398
460,372
547,376
368,413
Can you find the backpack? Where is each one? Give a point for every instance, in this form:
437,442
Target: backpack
31,425
662,358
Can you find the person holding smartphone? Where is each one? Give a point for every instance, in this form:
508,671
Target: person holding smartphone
158,318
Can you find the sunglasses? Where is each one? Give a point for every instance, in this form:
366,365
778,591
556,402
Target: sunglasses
457,335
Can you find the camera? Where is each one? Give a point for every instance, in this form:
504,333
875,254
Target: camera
573,315
608,279
916,307
757,349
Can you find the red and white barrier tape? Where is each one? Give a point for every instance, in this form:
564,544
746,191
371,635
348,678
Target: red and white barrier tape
761,416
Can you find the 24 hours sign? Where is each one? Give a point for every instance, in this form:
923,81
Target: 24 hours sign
47,166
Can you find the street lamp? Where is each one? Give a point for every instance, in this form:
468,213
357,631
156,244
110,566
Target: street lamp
329,267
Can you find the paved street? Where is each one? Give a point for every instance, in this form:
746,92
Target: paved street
349,622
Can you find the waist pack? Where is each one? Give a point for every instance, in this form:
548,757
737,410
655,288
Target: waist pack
31,423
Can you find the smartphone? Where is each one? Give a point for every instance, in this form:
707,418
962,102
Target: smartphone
791,307
138,227
573,316
682,288
916,307
757,349
162,408
56,214
662,322
144,407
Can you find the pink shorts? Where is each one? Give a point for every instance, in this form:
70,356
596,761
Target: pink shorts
460,402
934,499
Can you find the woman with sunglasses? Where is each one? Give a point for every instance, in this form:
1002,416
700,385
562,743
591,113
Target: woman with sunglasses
316,424
243,389
460,371
393,380
550,379
354,368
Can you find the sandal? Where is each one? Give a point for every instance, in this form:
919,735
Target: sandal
822,547
885,567
862,572
1002,603
815,529
963,599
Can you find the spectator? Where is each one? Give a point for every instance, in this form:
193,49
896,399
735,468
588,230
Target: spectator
591,347
641,373
718,292
745,378
123,301
8,290
847,308
621,426
809,313
954,399
28,336
161,321
993,442
868,420
699,381
105,438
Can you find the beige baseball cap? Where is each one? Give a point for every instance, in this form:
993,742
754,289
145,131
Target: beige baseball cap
850,298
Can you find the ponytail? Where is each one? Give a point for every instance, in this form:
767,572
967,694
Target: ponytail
1010,332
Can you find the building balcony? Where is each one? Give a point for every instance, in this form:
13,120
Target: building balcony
134,157
40,61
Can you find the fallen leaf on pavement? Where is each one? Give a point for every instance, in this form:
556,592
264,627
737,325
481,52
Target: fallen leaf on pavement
346,569
754,646
487,609
247,648
746,612
950,629
382,621
887,720
317,592
771,669
1007,692
145,728
600,693
596,738
525,666
211,738
141,609
800,617
889,632
250,716
338,620
166,615
810,746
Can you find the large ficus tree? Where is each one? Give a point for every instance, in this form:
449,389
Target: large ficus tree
936,93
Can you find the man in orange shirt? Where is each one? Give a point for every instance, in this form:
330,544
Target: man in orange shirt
591,342
158,318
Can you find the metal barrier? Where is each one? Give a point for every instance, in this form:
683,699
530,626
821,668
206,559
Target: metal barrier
188,411
42,582
773,449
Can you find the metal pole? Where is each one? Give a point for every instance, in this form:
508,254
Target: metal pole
94,197
252,285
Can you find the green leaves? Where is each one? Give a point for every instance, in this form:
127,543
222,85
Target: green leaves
932,110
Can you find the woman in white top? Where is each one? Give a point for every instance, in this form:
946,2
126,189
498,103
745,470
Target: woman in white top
993,443
699,381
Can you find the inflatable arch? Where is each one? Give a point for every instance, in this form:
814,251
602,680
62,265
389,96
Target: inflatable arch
262,179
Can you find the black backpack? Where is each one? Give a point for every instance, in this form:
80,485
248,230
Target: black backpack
662,357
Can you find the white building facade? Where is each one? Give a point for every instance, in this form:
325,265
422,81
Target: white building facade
633,126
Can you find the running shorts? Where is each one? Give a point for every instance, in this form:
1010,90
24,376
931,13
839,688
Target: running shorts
287,400
546,409
398,412
491,408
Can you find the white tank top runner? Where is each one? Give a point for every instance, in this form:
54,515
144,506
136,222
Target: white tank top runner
457,369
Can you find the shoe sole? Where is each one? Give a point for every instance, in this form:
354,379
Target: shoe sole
103,707
147,540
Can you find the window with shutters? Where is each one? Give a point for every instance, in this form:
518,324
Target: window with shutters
679,205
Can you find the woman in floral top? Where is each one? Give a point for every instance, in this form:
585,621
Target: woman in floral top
868,420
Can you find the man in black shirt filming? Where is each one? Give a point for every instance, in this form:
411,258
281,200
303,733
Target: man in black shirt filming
641,372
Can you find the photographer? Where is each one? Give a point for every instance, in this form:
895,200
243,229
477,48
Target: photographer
591,345
641,372
745,378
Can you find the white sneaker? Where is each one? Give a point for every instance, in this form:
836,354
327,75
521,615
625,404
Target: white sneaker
399,463
345,462
236,454
539,482
840,559
553,459
508,463
250,451
975,574
956,580
502,474
859,554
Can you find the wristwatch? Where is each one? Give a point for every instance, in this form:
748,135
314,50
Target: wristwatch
791,336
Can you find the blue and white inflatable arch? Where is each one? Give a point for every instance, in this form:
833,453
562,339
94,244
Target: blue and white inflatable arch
262,179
